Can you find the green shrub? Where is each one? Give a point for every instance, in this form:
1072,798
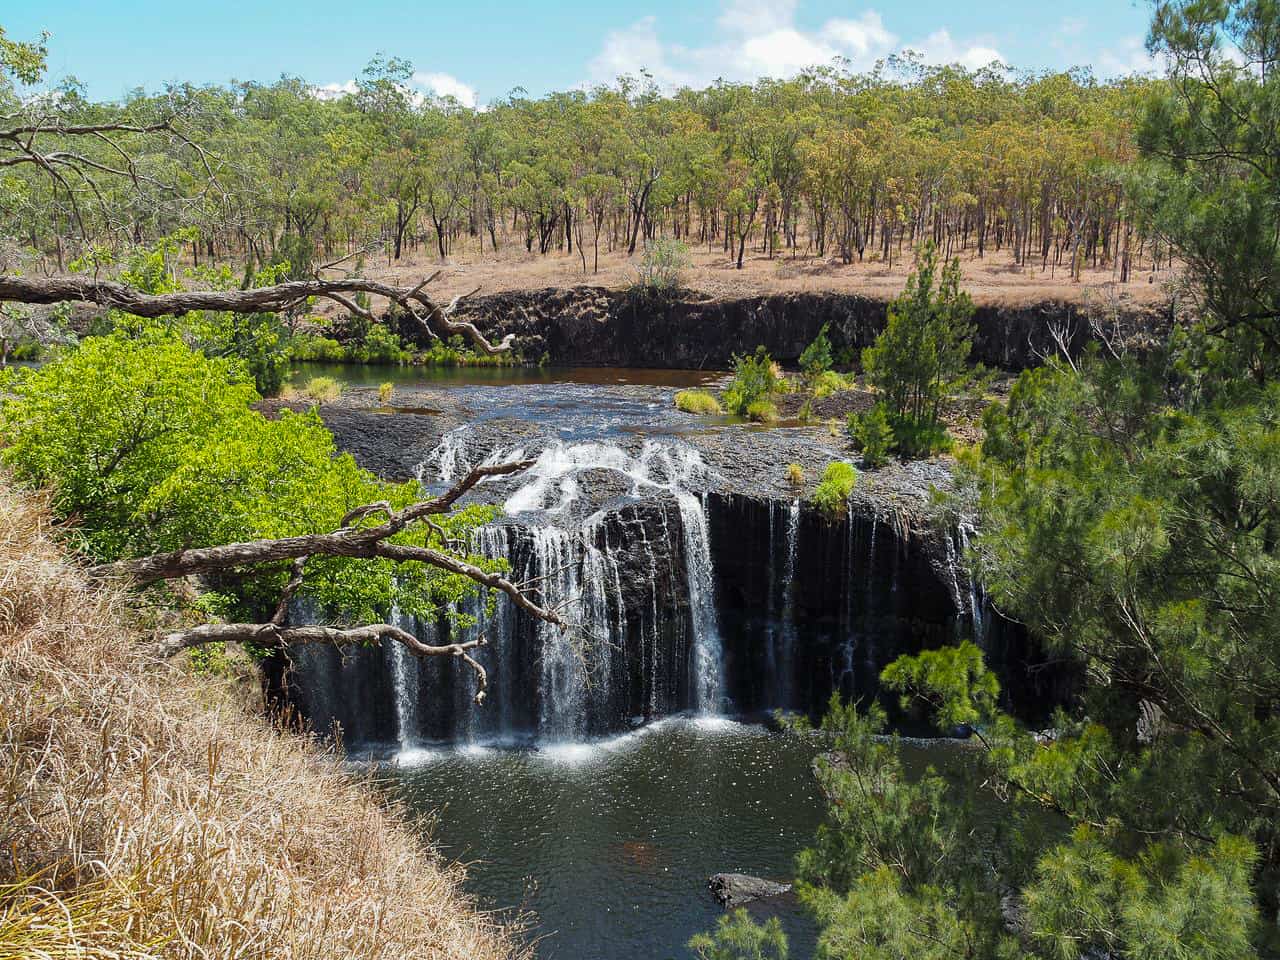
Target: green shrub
322,389
919,359
832,494
816,358
762,411
380,345
918,440
456,354
311,348
872,433
739,937
662,267
827,383
755,378
795,475
385,391
697,401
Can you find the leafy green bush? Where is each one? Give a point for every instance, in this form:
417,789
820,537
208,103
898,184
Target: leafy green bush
152,446
762,411
311,348
738,937
832,494
662,267
920,357
795,475
816,358
872,433
322,389
456,353
380,345
827,383
755,378
697,401
384,393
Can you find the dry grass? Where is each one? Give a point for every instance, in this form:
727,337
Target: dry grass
992,280
146,811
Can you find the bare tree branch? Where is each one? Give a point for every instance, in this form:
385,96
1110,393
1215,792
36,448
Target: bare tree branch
349,541
274,635
272,299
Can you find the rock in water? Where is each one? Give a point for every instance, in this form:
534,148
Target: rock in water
735,889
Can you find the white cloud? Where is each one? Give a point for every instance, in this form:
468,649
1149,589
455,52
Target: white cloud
631,49
1128,56
762,38
445,85
421,86
332,91
941,47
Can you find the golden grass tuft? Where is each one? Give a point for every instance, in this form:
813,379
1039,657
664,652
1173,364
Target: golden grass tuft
697,401
149,812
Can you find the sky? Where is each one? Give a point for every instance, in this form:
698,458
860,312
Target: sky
480,50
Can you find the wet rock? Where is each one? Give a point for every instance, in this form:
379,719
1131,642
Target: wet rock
736,889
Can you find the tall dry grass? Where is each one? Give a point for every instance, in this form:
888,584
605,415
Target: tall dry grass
146,811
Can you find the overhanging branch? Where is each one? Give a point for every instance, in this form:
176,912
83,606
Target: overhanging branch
434,318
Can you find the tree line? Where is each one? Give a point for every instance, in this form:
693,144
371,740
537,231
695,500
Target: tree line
830,164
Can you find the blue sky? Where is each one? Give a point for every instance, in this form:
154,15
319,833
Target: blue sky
479,50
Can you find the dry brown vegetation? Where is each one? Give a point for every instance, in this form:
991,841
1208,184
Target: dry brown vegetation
991,280
146,809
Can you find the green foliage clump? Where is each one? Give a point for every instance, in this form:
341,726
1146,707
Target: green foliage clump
312,348
762,411
755,379
105,423
833,490
379,346
919,359
662,267
322,389
256,340
795,475
872,433
385,390
455,353
697,401
738,937
816,358
151,446
827,383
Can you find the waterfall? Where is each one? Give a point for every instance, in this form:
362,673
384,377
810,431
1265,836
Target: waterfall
708,655
404,679
562,687
786,679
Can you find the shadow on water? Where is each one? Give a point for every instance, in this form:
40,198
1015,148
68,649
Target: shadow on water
610,843
371,375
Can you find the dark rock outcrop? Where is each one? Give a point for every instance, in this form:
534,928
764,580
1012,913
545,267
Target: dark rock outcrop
593,326
733,890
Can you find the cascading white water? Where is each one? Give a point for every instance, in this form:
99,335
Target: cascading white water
404,680
562,685
708,653
786,654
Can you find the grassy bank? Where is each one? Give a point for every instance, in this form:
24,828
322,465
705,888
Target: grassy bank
146,810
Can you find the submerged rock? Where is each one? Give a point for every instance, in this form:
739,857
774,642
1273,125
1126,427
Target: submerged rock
735,889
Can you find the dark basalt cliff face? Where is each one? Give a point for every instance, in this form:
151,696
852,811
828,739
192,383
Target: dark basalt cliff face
592,326
805,607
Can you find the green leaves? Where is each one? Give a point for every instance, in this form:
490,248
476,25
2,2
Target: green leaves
150,446
104,424
953,682
920,358
1164,905
738,937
